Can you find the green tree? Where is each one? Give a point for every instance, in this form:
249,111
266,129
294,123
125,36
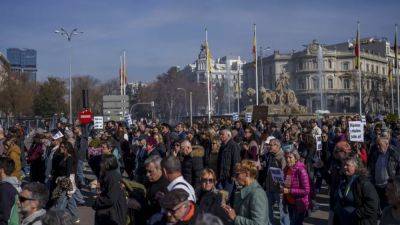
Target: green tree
16,93
50,97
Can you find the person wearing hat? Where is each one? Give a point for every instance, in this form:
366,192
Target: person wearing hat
55,144
178,210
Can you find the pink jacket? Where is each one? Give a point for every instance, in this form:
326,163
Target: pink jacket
300,186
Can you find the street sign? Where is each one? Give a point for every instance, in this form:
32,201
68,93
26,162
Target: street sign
85,116
356,130
98,122
248,117
235,116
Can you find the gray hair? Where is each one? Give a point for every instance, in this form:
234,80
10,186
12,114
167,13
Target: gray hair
155,159
227,131
171,164
186,143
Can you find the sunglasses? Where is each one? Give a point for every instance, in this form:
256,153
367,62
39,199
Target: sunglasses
204,180
23,199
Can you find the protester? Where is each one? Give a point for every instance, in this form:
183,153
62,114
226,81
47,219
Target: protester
250,203
210,200
9,189
228,156
157,187
296,188
383,164
33,199
13,151
110,203
178,209
192,162
356,200
172,172
391,214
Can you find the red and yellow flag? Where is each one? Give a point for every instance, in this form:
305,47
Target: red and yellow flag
396,63
357,49
254,50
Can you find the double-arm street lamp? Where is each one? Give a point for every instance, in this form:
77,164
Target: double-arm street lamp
68,36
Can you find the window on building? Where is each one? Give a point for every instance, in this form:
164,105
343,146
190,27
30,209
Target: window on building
367,67
330,64
302,83
330,83
376,69
346,103
315,83
346,83
315,64
331,103
345,66
300,65
270,69
383,70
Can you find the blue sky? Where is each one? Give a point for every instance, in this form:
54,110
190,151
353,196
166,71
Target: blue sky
163,33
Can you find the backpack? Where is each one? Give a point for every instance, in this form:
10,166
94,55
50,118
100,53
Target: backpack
14,214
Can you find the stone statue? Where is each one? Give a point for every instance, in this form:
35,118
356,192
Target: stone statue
282,100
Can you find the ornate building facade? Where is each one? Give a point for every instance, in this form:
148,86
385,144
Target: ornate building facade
226,80
340,82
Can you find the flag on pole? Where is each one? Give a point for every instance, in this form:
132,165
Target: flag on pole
357,49
390,71
208,56
396,63
254,50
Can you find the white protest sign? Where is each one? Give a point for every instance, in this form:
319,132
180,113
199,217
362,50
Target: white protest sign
235,117
248,117
277,174
356,130
98,122
318,141
128,119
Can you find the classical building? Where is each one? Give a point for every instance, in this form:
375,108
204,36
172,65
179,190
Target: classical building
340,81
23,61
226,79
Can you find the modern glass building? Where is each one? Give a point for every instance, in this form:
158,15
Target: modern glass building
23,61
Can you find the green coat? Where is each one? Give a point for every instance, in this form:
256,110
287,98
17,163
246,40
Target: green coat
251,205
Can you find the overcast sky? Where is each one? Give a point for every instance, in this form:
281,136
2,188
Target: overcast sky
164,33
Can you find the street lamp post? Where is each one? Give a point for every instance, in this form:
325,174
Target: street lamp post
184,90
68,36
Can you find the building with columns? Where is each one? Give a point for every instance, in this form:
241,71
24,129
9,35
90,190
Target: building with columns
226,80
340,81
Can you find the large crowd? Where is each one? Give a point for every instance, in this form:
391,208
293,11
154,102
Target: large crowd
224,172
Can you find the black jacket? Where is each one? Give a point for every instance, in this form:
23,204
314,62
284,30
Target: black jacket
210,202
81,146
7,200
110,205
366,202
393,165
229,155
192,165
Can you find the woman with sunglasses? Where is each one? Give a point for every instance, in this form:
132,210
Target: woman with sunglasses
209,198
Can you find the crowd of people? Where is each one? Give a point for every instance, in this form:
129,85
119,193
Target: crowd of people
224,172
